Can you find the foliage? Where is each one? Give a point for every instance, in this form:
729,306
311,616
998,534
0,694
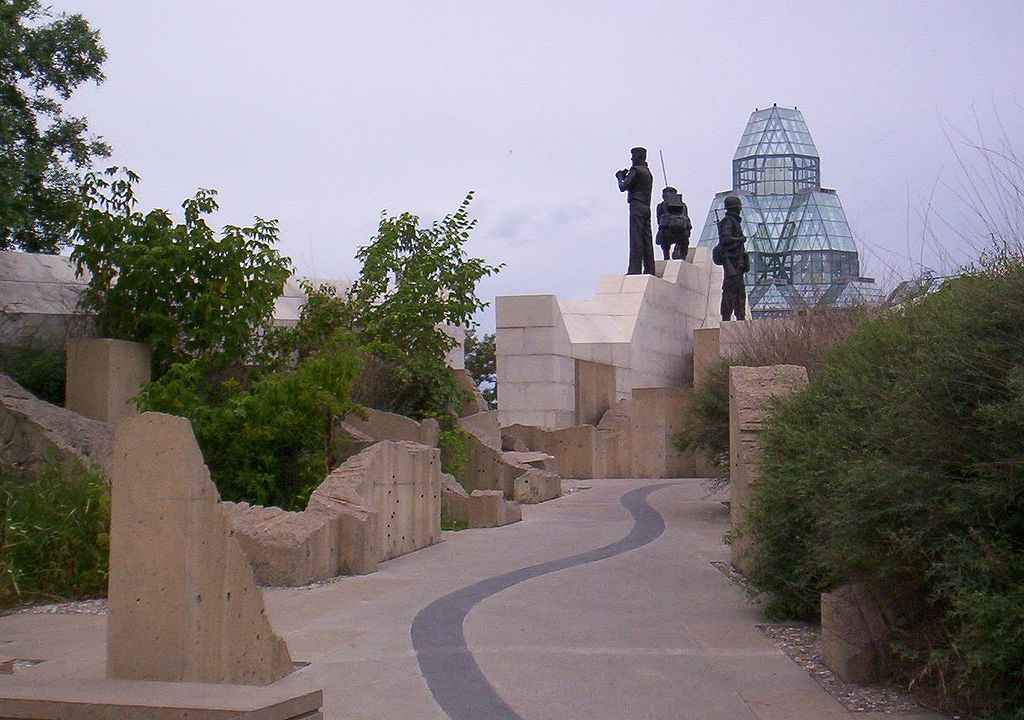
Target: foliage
54,536
452,524
802,340
705,427
177,287
901,464
454,451
482,366
43,59
38,368
414,281
266,439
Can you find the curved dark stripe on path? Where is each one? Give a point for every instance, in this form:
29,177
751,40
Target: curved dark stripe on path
455,680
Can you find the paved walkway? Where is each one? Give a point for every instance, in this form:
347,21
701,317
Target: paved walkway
600,605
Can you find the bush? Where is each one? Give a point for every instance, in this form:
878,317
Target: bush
802,340
54,537
37,368
266,438
901,465
705,428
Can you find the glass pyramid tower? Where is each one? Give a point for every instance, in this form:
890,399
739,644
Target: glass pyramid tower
802,253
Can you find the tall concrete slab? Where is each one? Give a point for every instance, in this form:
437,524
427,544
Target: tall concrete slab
751,390
183,603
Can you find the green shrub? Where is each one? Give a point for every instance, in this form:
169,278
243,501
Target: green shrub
902,464
37,368
802,340
705,428
54,537
266,439
454,451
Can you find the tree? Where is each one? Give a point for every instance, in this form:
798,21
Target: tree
481,365
414,282
42,151
175,286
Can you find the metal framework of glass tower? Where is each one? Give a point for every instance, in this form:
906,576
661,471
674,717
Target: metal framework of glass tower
802,253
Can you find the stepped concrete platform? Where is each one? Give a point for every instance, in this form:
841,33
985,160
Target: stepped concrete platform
588,609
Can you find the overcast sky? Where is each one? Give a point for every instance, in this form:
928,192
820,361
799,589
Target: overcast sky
323,114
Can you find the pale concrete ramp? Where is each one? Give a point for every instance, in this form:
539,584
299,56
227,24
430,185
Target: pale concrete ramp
600,605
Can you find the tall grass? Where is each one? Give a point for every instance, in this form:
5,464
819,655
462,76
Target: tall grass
54,536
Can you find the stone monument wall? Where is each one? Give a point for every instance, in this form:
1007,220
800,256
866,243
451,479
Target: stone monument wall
642,325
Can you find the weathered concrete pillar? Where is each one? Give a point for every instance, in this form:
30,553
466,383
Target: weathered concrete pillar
705,353
750,390
103,376
183,602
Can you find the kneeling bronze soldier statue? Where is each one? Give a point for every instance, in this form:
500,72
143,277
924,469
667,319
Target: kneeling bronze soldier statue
731,254
674,224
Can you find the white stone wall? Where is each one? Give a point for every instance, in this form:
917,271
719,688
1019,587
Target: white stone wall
640,324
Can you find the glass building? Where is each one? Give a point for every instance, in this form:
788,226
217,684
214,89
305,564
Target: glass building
802,254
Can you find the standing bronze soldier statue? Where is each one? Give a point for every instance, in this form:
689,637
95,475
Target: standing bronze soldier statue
731,254
674,224
637,182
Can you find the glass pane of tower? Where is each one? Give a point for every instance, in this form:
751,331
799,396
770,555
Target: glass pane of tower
802,251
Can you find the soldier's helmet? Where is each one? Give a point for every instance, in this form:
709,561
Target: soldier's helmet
733,203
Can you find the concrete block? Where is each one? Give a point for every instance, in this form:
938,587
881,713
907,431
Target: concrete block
545,341
595,391
751,390
379,425
35,435
484,426
287,548
183,602
571,447
705,353
536,486
854,633
655,416
487,469
510,341
103,376
471,405
522,311
489,508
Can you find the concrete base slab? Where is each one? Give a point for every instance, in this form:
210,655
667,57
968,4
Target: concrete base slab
103,699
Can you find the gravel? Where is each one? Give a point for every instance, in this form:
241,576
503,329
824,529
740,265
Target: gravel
801,642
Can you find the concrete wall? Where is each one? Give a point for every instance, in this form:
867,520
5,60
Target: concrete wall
35,435
382,503
103,376
379,425
751,390
656,414
183,603
595,391
640,324
535,368
573,448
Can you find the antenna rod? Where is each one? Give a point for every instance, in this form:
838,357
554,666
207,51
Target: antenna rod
663,173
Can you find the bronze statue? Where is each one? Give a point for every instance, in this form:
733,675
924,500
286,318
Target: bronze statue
637,182
731,254
674,224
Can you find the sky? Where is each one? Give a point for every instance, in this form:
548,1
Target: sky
324,114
